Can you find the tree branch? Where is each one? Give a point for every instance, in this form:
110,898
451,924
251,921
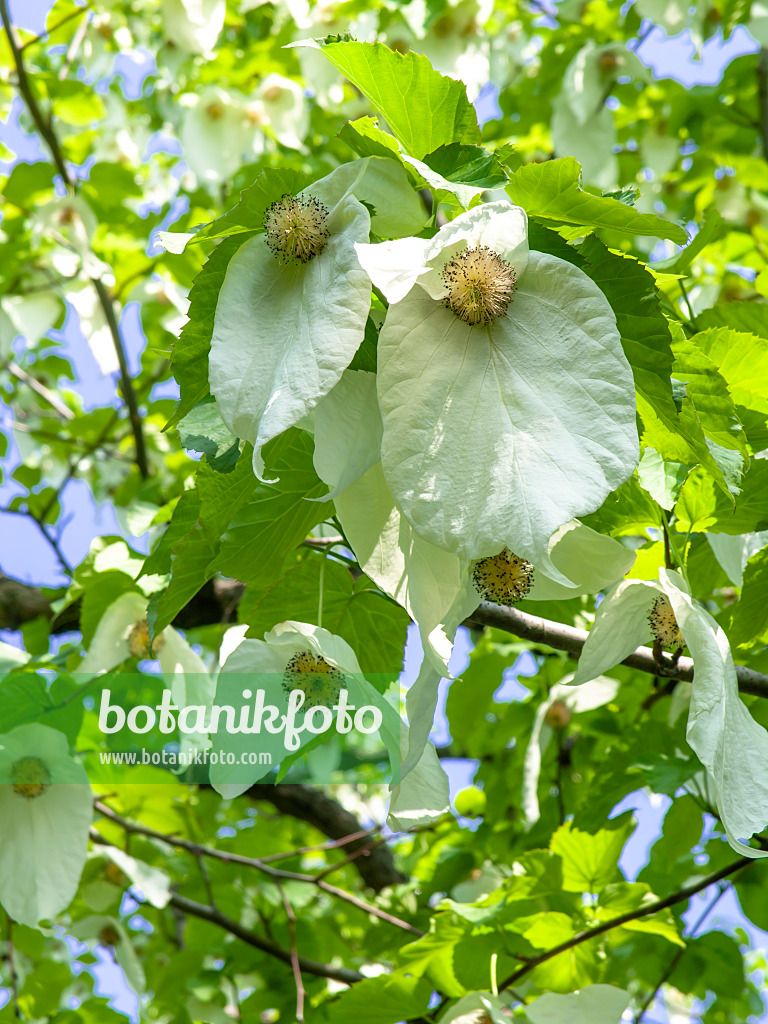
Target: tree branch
631,915
567,638
276,874
762,95
43,126
320,970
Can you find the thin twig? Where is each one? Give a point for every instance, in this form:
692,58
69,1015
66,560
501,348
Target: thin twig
331,844
295,962
314,967
59,24
676,958
53,400
43,126
632,915
126,383
276,874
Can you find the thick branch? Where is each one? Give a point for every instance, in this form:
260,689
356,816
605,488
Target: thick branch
631,915
375,864
567,638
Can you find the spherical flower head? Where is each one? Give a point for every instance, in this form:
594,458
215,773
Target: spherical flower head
504,578
30,777
480,285
664,624
311,673
138,641
296,228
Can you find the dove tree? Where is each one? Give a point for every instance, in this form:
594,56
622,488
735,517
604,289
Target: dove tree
415,358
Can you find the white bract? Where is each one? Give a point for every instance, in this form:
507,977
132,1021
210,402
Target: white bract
122,632
507,402
299,656
46,807
586,697
194,25
594,1004
435,586
280,106
292,309
292,656
727,740
215,133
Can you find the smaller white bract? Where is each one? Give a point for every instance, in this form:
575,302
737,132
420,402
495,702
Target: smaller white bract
46,807
292,309
300,656
727,740
507,401
123,632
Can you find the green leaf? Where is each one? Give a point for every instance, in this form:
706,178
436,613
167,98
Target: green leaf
747,317
277,516
742,359
459,170
633,295
423,109
590,862
203,430
248,215
712,228
184,517
709,392
470,165
189,360
386,999
749,618
662,478
372,625
551,191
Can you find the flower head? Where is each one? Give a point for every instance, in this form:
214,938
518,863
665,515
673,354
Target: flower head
30,777
729,743
664,624
496,437
311,673
292,309
296,228
479,285
503,578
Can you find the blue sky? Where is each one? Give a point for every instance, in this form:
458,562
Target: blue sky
26,557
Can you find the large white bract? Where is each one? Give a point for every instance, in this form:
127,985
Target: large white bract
286,329
506,413
726,738
46,807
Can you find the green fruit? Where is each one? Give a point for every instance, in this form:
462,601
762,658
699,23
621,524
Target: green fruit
470,802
